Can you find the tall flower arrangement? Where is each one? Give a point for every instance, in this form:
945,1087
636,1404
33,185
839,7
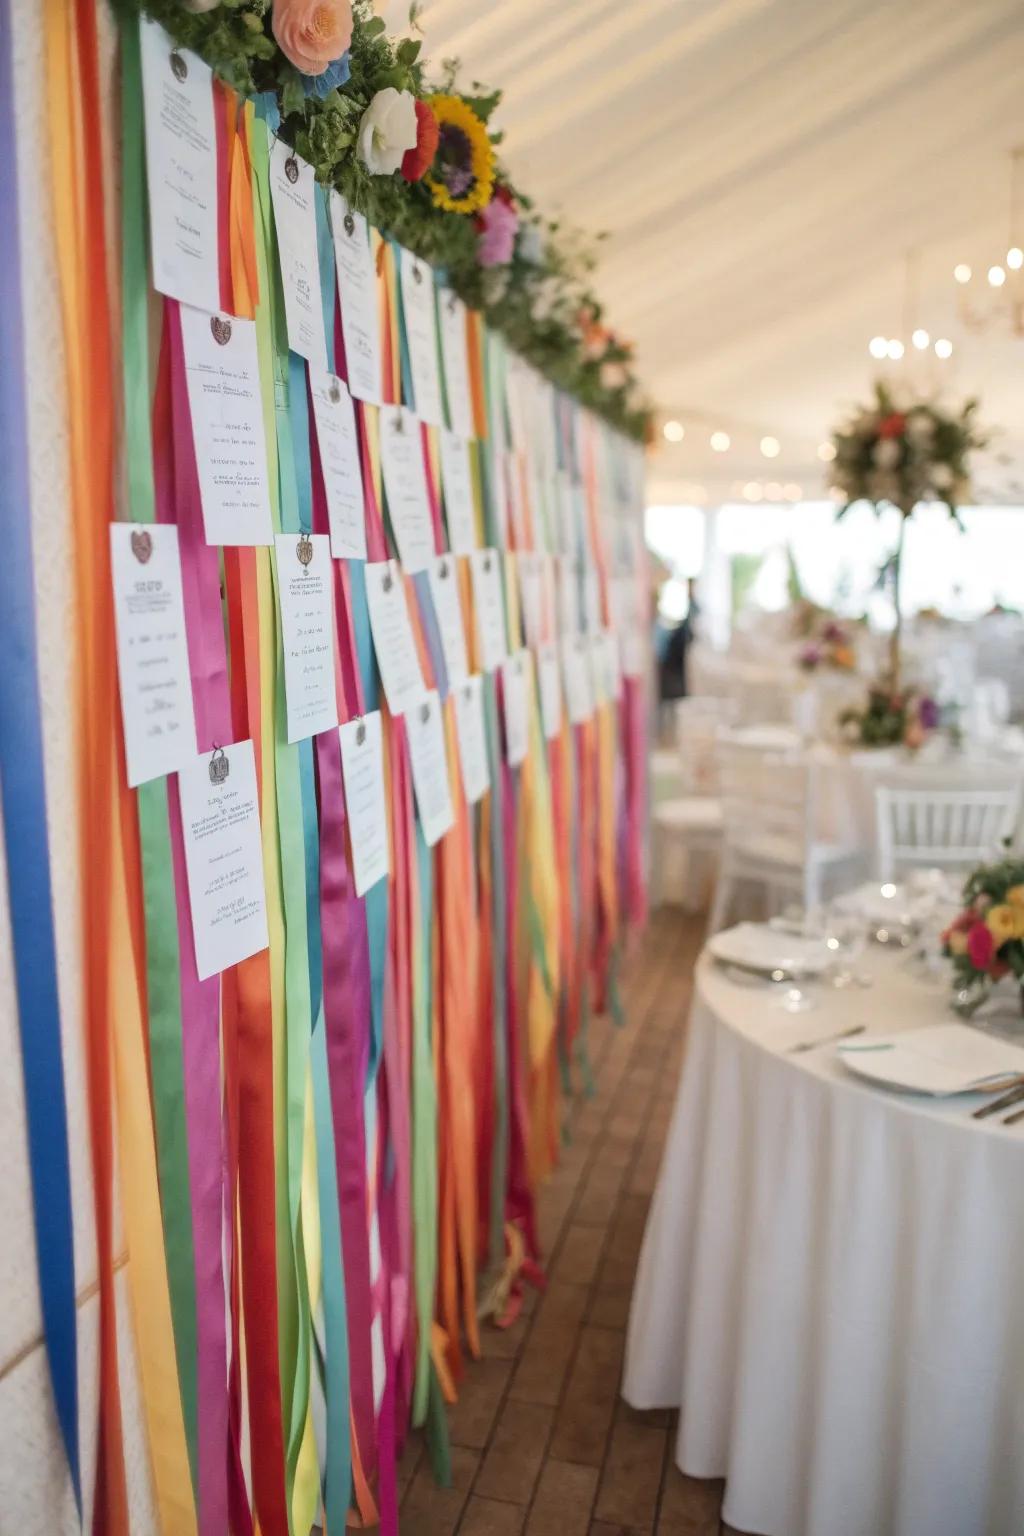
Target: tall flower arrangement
420,159
890,454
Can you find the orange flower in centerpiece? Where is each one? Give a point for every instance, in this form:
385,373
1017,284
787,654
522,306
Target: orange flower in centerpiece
312,33
892,425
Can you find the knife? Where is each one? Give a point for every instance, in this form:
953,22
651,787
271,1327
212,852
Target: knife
1004,1101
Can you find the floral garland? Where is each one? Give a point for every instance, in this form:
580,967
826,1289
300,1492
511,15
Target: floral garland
419,160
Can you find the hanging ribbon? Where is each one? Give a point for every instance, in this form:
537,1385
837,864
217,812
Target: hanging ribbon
23,802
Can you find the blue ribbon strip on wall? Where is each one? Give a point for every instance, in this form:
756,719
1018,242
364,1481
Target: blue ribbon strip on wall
23,804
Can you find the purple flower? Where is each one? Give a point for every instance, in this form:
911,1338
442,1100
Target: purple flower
928,713
810,657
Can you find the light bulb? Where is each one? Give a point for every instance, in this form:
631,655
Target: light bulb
826,452
878,346
674,431
962,272
752,491
770,447
720,442
943,347
792,491
996,277
1015,258
773,491
921,339
895,349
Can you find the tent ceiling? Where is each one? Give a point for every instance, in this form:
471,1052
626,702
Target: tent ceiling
762,169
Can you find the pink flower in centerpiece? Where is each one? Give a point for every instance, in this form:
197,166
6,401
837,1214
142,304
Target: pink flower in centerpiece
981,946
312,33
497,223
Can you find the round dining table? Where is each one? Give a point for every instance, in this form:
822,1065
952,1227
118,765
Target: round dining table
831,1284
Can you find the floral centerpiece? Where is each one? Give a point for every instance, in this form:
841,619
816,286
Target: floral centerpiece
891,718
985,941
897,455
831,647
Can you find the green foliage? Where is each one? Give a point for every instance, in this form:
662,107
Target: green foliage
538,303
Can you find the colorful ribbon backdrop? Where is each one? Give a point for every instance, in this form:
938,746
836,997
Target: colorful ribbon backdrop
330,1152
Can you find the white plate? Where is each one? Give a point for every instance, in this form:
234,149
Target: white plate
940,1059
757,947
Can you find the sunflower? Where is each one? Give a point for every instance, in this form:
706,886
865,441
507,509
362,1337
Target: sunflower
461,178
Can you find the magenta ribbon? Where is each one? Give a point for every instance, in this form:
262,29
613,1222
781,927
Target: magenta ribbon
200,1000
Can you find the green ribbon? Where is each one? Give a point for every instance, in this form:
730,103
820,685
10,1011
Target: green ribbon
162,953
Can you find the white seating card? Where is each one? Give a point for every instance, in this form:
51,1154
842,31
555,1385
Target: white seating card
304,576
292,190
568,596
181,169
444,589
421,334
397,659
612,663
405,485
576,673
362,770
591,601
531,595
339,458
222,375
515,692
452,315
220,818
489,603
152,650
357,290
598,669
457,486
550,690
469,728
425,730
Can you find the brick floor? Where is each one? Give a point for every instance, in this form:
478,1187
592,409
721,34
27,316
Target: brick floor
542,1443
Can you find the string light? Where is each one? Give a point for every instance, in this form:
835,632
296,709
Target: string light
894,349
943,347
770,447
962,272
752,491
826,452
674,431
996,276
921,339
1015,258
878,346
792,491
720,442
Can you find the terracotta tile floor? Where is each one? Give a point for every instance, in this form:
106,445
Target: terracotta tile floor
542,1444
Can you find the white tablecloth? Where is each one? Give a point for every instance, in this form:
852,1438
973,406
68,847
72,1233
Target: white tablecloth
831,1286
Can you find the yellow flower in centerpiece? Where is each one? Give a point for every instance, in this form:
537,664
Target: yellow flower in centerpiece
461,178
957,942
1015,895
1005,923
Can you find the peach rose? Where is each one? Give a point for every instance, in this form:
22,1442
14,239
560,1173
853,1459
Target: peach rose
312,33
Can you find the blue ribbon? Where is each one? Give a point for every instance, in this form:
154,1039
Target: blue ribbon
23,802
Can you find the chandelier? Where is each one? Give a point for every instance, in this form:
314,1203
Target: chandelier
995,300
